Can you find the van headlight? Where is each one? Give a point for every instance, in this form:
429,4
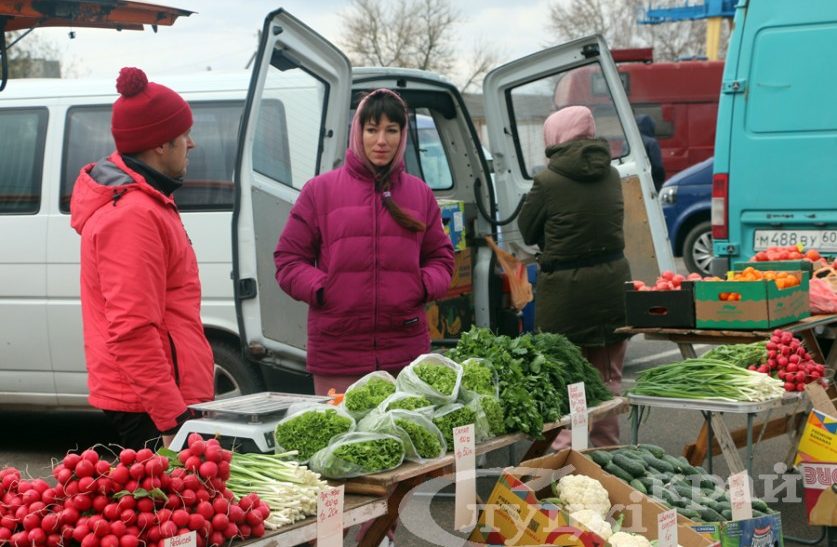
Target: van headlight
668,195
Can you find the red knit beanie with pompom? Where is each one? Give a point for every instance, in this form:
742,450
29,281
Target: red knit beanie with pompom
146,114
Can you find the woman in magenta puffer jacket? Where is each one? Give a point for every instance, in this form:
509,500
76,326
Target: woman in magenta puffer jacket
364,246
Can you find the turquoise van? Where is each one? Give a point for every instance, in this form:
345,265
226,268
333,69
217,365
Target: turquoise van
775,174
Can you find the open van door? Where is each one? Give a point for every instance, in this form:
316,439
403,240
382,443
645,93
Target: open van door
294,127
116,14
520,95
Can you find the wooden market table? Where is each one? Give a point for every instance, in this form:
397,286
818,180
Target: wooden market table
356,510
394,485
686,338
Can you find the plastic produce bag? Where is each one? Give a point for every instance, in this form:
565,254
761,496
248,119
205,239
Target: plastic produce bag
478,378
309,427
488,417
433,376
422,439
367,393
358,453
521,288
823,291
453,415
399,400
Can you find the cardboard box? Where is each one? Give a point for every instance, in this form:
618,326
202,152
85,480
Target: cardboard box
462,280
660,308
762,304
818,442
819,481
731,533
760,531
450,317
514,515
776,265
453,218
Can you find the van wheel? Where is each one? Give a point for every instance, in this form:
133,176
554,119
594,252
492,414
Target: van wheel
233,375
697,248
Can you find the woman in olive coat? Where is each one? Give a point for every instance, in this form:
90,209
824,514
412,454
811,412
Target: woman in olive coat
574,213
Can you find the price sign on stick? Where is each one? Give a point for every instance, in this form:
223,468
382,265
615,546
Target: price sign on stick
578,415
667,528
466,477
330,517
739,496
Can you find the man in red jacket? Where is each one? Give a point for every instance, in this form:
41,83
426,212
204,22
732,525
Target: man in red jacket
146,352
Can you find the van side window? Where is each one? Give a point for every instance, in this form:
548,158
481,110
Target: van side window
533,102
22,135
425,156
208,185
292,103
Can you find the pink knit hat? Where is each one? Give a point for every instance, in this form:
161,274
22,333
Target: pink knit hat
569,123
146,114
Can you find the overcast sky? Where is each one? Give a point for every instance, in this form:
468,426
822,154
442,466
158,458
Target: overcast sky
220,35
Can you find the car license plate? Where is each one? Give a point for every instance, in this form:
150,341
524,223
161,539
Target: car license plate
821,240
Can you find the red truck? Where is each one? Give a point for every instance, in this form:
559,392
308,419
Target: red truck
680,97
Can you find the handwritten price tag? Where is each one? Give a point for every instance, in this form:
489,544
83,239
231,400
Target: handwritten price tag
466,477
667,529
330,517
578,415
189,539
578,398
739,496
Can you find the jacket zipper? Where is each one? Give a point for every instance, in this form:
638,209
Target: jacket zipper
375,207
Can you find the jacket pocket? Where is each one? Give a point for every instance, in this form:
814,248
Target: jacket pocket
335,325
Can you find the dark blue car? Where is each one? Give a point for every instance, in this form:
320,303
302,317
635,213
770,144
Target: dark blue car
685,199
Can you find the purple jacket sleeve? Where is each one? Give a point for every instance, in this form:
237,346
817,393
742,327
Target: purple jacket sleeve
297,251
436,254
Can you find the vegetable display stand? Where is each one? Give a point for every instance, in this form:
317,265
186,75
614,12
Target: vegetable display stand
714,423
396,484
686,339
356,510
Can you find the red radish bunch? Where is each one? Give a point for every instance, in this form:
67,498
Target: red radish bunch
668,281
788,360
135,500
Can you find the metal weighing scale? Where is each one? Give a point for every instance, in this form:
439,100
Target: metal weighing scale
247,417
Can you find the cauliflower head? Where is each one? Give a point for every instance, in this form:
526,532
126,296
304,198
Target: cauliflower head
593,521
579,492
624,539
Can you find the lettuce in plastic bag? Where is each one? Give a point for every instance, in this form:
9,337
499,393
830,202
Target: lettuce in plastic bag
310,428
358,453
422,439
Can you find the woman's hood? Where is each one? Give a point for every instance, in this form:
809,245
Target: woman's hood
581,160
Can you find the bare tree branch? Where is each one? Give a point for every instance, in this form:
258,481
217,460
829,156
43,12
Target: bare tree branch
619,22
409,33
482,59
28,52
